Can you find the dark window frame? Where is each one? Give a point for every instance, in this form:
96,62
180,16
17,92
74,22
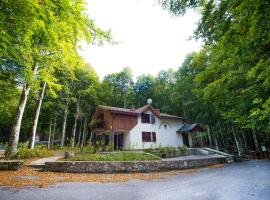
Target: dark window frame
149,136
146,136
145,118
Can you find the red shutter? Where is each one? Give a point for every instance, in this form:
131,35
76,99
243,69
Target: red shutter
154,137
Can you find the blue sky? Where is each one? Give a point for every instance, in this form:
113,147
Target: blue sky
149,38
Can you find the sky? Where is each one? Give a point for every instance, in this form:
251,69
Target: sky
148,38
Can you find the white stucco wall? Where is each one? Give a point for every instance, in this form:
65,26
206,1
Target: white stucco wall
164,136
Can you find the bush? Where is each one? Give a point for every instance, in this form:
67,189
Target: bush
183,148
39,151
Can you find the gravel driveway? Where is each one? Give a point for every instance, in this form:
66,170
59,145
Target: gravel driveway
242,180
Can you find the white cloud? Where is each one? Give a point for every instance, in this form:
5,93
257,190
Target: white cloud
150,39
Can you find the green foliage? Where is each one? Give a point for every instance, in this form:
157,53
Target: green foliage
183,148
120,86
39,151
115,156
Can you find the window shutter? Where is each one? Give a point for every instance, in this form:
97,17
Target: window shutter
153,120
154,137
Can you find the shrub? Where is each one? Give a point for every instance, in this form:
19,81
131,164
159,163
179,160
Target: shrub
183,148
23,152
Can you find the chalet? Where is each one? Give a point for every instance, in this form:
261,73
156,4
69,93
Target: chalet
141,128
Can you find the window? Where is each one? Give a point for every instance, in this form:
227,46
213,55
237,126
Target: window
145,118
148,118
100,121
149,137
146,136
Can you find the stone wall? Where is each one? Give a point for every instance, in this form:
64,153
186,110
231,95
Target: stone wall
10,164
129,166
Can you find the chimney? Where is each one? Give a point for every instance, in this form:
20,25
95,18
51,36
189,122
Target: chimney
158,111
133,109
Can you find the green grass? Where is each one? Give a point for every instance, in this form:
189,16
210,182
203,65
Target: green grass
118,156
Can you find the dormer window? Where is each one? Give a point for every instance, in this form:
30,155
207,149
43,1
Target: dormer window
145,118
148,118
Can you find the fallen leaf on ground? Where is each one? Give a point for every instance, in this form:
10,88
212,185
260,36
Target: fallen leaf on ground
19,177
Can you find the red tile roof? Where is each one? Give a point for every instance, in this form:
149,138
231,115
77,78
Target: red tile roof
139,111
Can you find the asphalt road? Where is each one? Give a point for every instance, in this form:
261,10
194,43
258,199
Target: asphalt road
242,180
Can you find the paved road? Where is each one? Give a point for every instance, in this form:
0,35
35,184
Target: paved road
244,180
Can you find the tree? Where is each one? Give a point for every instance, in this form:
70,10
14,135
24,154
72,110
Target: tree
121,85
144,88
35,32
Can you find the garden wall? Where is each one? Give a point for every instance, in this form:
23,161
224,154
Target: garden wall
129,166
10,164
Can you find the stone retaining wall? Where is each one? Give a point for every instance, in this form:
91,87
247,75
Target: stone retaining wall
10,164
128,166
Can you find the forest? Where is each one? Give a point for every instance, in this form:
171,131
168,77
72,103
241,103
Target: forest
47,88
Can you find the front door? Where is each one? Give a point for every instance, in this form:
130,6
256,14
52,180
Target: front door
185,139
118,140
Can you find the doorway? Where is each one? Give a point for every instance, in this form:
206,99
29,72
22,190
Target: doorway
185,139
118,140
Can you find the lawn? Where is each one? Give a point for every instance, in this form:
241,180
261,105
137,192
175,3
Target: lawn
115,156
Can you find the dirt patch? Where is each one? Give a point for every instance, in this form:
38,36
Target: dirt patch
43,179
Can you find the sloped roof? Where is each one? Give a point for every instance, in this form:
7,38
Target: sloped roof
139,111
116,109
189,128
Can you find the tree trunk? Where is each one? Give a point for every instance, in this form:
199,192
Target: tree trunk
84,131
80,132
15,133
236,142
222,135
64,125
53,132
256,143
75,124
37,112
50,133
209,136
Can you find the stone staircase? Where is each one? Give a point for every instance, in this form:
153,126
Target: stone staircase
206,151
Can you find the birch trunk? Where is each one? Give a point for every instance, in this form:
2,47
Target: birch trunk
75,124
53,132
64,125
209,135
236,142
80,132
256,143
37,112
15,132
50,133
84,131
